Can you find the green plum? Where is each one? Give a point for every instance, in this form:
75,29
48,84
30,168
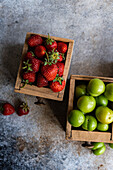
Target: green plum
102,127
111,145
104,115
97,145
80,90
96,87
99,148
109,92
101,100
90,123
86,104
76,118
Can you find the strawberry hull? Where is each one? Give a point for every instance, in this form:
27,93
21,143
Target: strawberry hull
44,92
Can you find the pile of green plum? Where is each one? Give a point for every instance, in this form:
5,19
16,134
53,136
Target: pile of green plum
94,107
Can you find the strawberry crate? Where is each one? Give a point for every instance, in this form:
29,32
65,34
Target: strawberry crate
78,134
44,92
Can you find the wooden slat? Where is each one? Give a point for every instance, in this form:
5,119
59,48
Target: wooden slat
61,93
67,64
38,89
70,106
90,136
25,48
53,37
83,77
111,141
44,92
68,60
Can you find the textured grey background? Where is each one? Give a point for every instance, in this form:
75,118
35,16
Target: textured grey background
37,141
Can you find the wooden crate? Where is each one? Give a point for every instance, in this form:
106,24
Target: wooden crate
82,135
42,91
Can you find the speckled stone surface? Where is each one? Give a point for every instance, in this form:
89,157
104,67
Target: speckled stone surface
37,141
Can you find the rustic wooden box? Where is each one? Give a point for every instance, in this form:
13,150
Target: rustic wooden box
44,92
82,135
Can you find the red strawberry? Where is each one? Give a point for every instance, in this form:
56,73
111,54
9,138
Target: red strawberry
35,40
50,44
7,109
60,58
29,55
41,81
23,109
32,65
58,84
62,47
40,51
29,76
35,64
49,71
60,68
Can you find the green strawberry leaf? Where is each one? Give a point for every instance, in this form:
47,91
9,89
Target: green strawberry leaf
59,79
30,69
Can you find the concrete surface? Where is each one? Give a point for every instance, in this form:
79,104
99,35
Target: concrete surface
37,141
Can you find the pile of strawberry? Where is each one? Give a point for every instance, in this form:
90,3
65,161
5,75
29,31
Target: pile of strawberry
43,64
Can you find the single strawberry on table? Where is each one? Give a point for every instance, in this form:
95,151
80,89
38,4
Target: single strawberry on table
62,47
7,109
50,44
40,51
35,40
60,68
41,80
23,109
57,84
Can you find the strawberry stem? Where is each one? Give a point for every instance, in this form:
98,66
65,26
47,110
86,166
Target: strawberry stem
25,100
47,56
48,36
49,40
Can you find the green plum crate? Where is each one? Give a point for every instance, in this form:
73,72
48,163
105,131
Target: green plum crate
44,92
75,134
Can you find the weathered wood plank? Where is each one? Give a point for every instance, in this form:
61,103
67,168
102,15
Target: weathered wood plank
70,107
90,136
